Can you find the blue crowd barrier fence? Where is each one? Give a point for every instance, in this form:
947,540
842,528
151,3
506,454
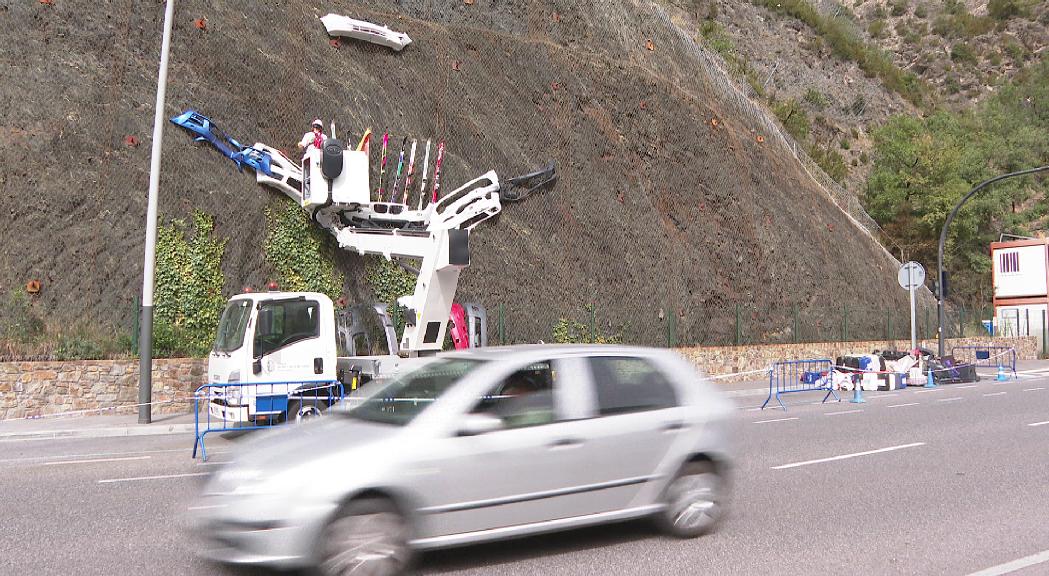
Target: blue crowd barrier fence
800,376
987,356
254,405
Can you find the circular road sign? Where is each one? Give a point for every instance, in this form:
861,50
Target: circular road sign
911,275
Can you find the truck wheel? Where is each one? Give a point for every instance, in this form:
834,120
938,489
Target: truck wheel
693,501
367,537
299,412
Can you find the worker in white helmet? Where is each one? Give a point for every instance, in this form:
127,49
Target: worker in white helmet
315,137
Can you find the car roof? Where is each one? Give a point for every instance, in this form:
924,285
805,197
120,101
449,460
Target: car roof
524,351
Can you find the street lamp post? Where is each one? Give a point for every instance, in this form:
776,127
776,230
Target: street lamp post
943,240
145,340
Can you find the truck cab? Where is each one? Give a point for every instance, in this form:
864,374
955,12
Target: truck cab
284,342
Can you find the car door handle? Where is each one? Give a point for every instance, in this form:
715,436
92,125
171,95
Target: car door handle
673,426
566,443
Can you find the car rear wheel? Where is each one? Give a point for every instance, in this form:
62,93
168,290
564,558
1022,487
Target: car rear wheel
693,501
367,538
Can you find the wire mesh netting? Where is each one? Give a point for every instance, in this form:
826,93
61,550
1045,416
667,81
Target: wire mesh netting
679,197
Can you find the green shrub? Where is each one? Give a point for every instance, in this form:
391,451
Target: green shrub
794,118
78,346
1016,51
876,28
815,98
20,321
962,52
1002,10
899,7
830,161
568,331
921,11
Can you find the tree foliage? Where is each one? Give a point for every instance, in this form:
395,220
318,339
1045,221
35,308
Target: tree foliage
924,166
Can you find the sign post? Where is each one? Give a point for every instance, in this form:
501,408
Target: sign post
910,276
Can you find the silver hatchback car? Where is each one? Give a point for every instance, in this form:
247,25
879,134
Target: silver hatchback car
475,446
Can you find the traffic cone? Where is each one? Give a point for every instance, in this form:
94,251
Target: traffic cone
1001,377
857,393
931,382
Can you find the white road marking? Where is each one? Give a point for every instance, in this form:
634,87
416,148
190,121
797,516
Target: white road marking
877,396
94,461
845,456
993,394
929,390
902,405
1039,423
207,507
776,420
842,412
951,399
91,455
1015,565
1034,389
966,386
165,476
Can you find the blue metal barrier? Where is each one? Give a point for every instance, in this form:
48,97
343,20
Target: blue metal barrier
800,376
250,406
988,356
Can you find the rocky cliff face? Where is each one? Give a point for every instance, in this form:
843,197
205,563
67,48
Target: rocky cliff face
674,197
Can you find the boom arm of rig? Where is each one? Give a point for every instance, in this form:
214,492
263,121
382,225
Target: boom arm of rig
332,184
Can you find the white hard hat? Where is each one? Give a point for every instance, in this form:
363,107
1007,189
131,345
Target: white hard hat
318,122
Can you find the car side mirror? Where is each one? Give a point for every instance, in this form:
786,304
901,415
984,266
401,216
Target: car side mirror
256,366
477,424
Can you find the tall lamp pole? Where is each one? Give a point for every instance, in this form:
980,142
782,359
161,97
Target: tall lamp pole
943,240
145,339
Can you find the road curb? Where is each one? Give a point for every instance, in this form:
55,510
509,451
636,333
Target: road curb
141,430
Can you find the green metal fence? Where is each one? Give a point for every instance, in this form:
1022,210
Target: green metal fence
740,325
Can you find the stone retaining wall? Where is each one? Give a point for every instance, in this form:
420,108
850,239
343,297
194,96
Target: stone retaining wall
733,359
40,388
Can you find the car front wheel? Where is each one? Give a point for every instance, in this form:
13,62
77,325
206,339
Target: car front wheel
693,501
367,538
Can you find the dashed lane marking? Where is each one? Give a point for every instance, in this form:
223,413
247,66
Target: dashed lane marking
1039,423
842,412
902,405
951,399
929,390
993,394
776,420
966,386
1034,389
163,477
846,456
94,461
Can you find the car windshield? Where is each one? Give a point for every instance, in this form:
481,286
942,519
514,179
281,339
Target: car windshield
408,395
231,326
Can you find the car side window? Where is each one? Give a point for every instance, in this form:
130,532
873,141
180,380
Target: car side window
524,398
624,384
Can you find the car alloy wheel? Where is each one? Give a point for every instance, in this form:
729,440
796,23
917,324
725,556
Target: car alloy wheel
693,501
368,538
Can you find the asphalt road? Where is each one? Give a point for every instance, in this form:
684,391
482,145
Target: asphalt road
952,480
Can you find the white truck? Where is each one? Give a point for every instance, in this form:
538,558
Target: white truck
293,345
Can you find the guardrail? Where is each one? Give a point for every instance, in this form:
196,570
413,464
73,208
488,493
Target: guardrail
989,356
800,376
249,406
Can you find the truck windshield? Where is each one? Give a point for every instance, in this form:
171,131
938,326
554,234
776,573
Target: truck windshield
407,395
231,326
